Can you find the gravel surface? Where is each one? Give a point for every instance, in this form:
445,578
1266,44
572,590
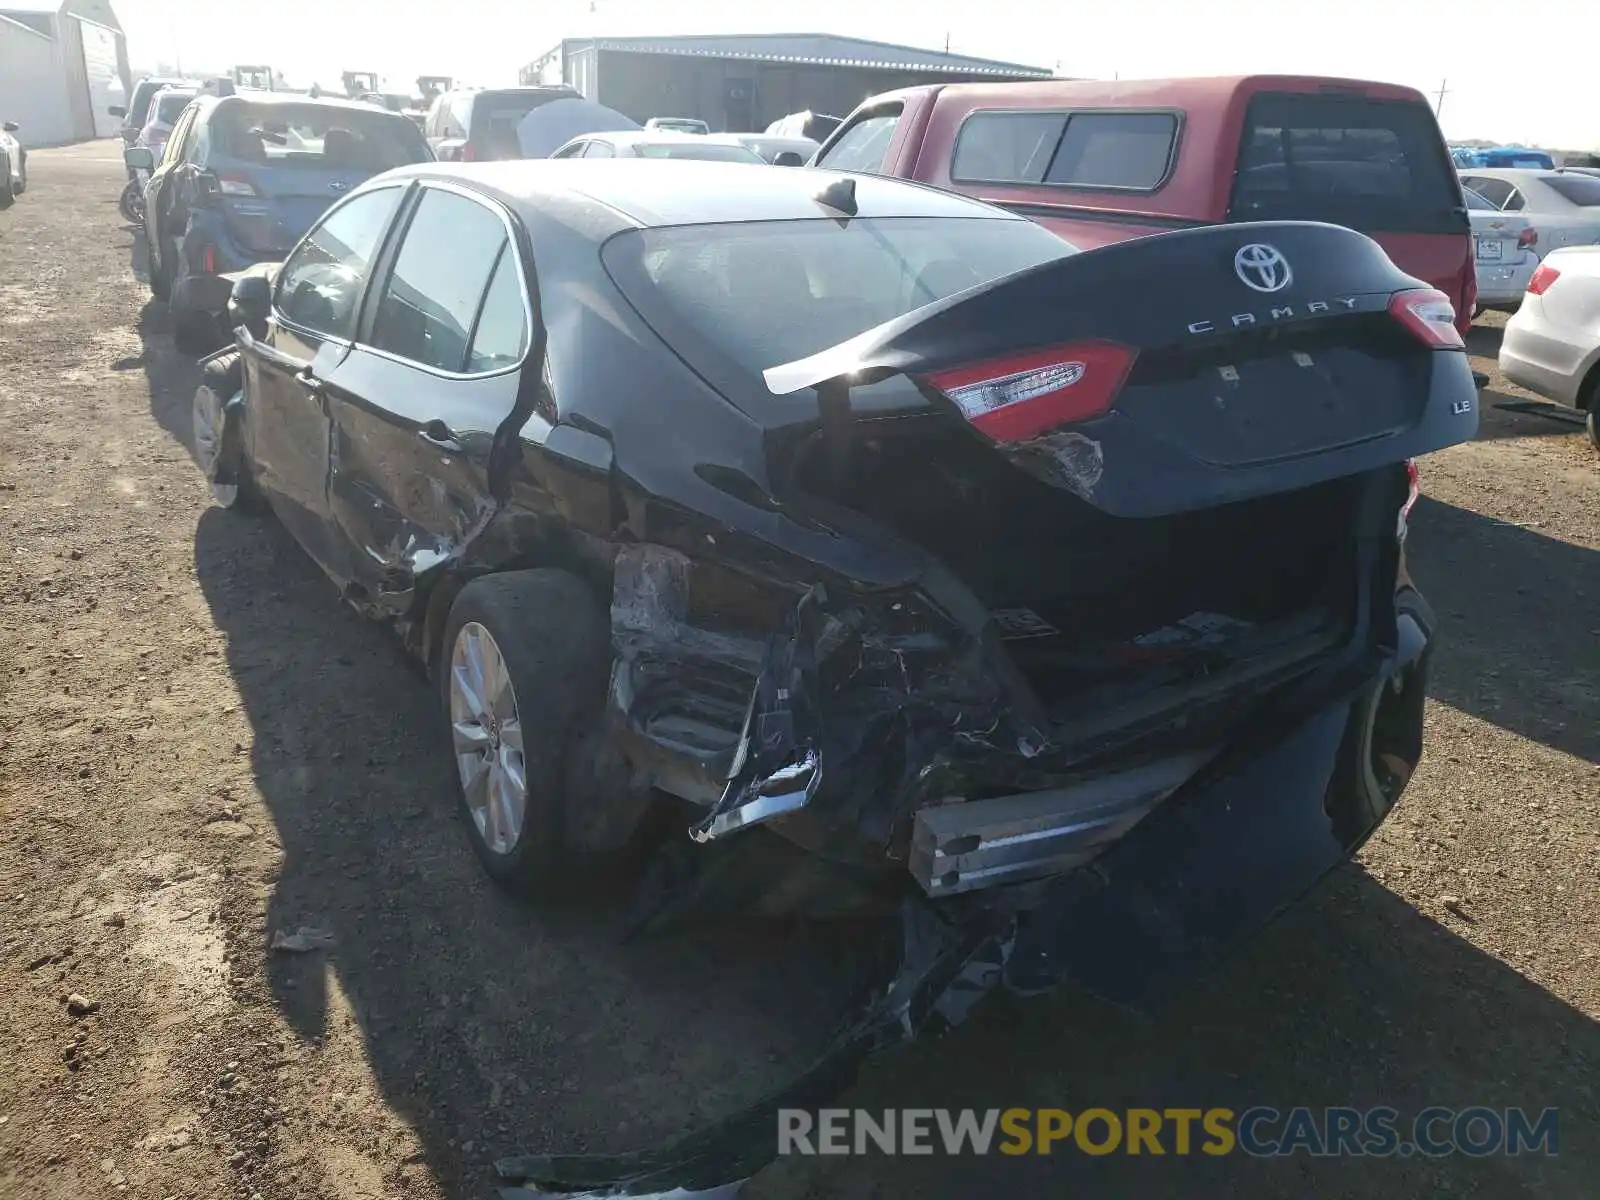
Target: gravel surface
200,749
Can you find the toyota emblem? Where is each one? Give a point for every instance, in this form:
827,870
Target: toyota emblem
1262,268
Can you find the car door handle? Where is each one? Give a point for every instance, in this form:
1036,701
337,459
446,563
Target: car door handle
309,381
437,433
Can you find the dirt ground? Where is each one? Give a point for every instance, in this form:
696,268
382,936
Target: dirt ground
199,748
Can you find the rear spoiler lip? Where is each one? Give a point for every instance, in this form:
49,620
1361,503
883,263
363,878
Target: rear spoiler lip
873,355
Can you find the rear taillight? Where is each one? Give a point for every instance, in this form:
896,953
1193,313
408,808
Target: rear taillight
469,153
208,260
1429,314
1528,238
1543,277
1020,396
1413,490
235,185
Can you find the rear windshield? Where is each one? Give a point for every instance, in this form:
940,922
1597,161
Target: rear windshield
1580,189
316,137
1125,150
1376,165
496,115
761,293
139,109
170,107
709,151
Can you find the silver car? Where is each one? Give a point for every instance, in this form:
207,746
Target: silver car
1552,344
13,165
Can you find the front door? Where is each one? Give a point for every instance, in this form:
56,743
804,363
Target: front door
415,407
315,306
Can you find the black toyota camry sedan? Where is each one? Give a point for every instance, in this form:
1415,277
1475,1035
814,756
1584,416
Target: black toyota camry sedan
910,557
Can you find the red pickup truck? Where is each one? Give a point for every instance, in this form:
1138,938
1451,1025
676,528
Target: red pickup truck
1100,162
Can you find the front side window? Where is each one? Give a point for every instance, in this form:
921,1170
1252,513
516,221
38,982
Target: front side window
173,151
432,296
321,282
599,150
864,145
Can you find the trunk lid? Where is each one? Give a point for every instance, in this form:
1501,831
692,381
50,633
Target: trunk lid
285,201
1177,371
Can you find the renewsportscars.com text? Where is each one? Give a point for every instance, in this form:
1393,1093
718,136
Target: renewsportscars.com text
1260,1131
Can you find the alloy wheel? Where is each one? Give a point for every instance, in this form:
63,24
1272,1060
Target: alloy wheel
486,732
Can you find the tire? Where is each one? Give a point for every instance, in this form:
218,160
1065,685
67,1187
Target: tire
7,195
552,638
22,177
1591,426
216,436
131,203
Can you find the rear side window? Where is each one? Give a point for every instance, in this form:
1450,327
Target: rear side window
501,337
1123,150
322,280
1583,190
431,298
1495,191
1369,164
864,145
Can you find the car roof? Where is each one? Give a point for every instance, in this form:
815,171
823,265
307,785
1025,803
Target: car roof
664,192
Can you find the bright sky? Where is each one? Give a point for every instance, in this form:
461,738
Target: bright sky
1515,73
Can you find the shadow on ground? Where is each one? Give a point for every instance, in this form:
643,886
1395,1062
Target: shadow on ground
484,1021
1518,646
1353,998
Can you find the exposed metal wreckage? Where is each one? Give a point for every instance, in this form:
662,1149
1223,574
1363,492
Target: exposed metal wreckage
853,730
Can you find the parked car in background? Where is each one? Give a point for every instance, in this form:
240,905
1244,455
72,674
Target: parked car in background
1506,247
657,143
678,124
13,165
166,106
1552,343
480,125
242,179
1101,162
1564,205
782,151
733,500
137,111
813,125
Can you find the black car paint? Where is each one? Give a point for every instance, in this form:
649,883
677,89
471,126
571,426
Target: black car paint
606,450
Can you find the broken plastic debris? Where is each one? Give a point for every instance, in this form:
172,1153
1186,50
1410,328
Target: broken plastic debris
302,940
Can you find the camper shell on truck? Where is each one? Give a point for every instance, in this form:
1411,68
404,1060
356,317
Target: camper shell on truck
1099,162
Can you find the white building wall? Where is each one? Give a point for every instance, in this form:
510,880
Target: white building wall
33,86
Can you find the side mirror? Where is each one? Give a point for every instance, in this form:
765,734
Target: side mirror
116,110
788,158
249,304
140,158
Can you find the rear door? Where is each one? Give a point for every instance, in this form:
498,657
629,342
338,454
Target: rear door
415,406
1377,166
315,306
